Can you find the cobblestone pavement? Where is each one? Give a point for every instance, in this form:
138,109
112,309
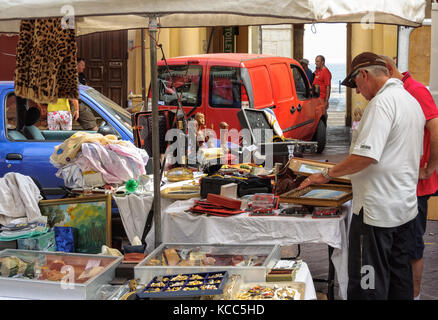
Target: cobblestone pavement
316,255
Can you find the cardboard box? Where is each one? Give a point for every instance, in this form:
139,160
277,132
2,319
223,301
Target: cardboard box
43,242
432,208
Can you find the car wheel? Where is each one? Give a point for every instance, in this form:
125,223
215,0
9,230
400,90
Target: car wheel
320,136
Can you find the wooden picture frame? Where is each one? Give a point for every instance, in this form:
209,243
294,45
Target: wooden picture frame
323,195
308,167
90,215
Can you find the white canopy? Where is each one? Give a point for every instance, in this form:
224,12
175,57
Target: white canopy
104,15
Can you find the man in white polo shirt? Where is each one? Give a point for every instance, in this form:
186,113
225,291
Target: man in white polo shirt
383,166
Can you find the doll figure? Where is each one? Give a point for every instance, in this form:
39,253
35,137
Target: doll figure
200,134
357,115
224,127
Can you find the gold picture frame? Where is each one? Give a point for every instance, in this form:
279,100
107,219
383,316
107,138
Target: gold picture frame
181,192
90,215
324,195
307,167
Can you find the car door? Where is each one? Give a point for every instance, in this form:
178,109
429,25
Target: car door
28,157
284,99
32,157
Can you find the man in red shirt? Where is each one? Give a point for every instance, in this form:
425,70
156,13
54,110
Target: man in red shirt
428,182
323,78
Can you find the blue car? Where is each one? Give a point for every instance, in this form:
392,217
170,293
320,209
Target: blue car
29,154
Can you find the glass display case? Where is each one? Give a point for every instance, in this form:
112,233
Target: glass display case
251,261
26,274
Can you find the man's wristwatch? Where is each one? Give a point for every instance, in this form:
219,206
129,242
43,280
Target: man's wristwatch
325,173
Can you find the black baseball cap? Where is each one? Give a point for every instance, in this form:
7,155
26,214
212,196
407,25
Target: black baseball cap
362,60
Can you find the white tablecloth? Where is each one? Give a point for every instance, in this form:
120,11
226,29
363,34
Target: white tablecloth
179,226
304,275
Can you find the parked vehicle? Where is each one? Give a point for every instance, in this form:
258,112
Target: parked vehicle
30,155
219,85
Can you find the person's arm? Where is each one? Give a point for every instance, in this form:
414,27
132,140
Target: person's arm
328,86
76,113
431,165
351,164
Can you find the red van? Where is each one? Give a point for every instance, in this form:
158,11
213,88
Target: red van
219,85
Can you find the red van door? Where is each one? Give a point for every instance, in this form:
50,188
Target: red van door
283,95
261,86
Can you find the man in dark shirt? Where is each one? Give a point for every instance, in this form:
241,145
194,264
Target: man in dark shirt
81,75
86,118
305,64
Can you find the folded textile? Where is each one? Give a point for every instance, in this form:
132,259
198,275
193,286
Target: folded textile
19,197
67,151
116,166
24,235
72,175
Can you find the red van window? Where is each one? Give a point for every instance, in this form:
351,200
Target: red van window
187,82
262,90
301,83
225,87
281,81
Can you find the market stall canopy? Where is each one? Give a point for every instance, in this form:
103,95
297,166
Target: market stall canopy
106,15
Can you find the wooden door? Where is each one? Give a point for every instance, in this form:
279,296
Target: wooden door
106,56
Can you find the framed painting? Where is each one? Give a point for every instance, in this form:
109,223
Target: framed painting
308,167
324,195
90,215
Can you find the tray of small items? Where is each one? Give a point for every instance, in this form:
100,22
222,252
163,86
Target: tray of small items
282,290
185,285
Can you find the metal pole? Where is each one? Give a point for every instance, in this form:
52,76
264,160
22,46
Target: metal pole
403,48
153,26
143,72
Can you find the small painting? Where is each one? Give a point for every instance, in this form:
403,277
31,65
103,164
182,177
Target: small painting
90,215
324,194
307,168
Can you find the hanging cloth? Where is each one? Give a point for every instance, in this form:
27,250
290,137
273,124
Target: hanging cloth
46,65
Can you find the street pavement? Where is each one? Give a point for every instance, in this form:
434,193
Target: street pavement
316,255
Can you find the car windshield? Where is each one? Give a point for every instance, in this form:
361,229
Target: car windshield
186,83
111,107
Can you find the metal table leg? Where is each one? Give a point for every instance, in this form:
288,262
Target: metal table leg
331,277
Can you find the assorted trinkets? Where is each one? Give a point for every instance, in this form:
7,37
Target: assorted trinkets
195,284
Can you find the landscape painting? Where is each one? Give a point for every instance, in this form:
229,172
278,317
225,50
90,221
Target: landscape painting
90,215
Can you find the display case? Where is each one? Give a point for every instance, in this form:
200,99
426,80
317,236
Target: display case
251,261
42,275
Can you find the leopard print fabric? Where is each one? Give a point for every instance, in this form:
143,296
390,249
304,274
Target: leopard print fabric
46,66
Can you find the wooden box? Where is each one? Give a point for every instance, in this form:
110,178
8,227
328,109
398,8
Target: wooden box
324,195
432,208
